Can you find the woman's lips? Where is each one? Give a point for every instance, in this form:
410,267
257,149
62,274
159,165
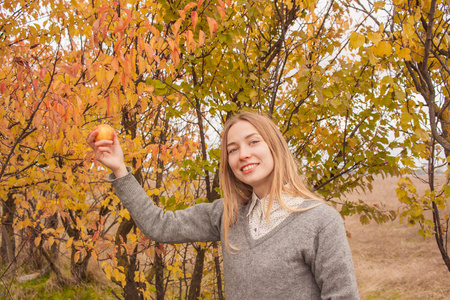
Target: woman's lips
248,168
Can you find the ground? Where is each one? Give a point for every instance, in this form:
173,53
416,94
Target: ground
392,261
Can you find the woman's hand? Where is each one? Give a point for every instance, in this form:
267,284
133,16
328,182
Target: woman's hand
109,153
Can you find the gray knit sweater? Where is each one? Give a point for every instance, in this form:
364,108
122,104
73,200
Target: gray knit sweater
307,256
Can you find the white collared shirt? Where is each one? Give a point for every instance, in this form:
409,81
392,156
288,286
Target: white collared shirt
258,223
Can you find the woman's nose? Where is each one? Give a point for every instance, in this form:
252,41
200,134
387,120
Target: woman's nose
244,153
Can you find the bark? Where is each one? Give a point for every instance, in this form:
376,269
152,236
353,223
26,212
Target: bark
197,275
8,245
79,269
131,289
218,271
441,232
60,278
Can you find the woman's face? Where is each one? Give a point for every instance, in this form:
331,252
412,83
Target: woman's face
249,157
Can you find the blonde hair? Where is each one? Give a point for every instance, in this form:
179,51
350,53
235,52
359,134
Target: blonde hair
284,178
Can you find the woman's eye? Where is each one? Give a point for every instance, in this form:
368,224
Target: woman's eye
231,150
254,142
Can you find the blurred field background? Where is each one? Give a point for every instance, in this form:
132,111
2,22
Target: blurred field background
392,261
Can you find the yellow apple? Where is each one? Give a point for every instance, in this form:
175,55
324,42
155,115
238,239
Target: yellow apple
105,132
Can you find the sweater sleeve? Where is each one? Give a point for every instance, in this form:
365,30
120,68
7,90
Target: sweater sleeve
333,267
198,223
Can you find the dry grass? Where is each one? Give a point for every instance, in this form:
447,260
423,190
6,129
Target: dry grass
392,261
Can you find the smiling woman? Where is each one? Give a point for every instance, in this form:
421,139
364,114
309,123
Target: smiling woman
281,241
249,157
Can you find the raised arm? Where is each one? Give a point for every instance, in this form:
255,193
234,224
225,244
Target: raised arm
199,223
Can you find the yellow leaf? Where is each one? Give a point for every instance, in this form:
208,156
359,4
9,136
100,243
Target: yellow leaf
19,225
76,257
422,134
378,4
374,37
51,240
383,48
356,40
69,243
108,271
405,54
37,241
124,214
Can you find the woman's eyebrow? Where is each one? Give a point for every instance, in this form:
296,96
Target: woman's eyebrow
246,137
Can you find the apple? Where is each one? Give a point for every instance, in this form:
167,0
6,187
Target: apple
105,132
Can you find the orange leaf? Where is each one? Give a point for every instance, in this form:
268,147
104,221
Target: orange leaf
182,13
176,26
95,26
120,27
190,5
175,57
108,106
191,43
222,4
201,38
200,2
104,31
221,12
43,72
194,18
102,9
212,26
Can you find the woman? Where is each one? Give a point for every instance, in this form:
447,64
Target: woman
281,241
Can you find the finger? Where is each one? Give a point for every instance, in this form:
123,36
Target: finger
91,137
103,143
115,138
104,149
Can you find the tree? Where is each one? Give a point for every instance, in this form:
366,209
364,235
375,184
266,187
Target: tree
414,36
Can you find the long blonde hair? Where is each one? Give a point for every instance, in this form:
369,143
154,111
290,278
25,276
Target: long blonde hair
284,178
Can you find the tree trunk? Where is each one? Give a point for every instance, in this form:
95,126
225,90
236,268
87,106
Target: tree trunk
197,275
79,269
441,232
218,271
8,246
131,288
159,272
